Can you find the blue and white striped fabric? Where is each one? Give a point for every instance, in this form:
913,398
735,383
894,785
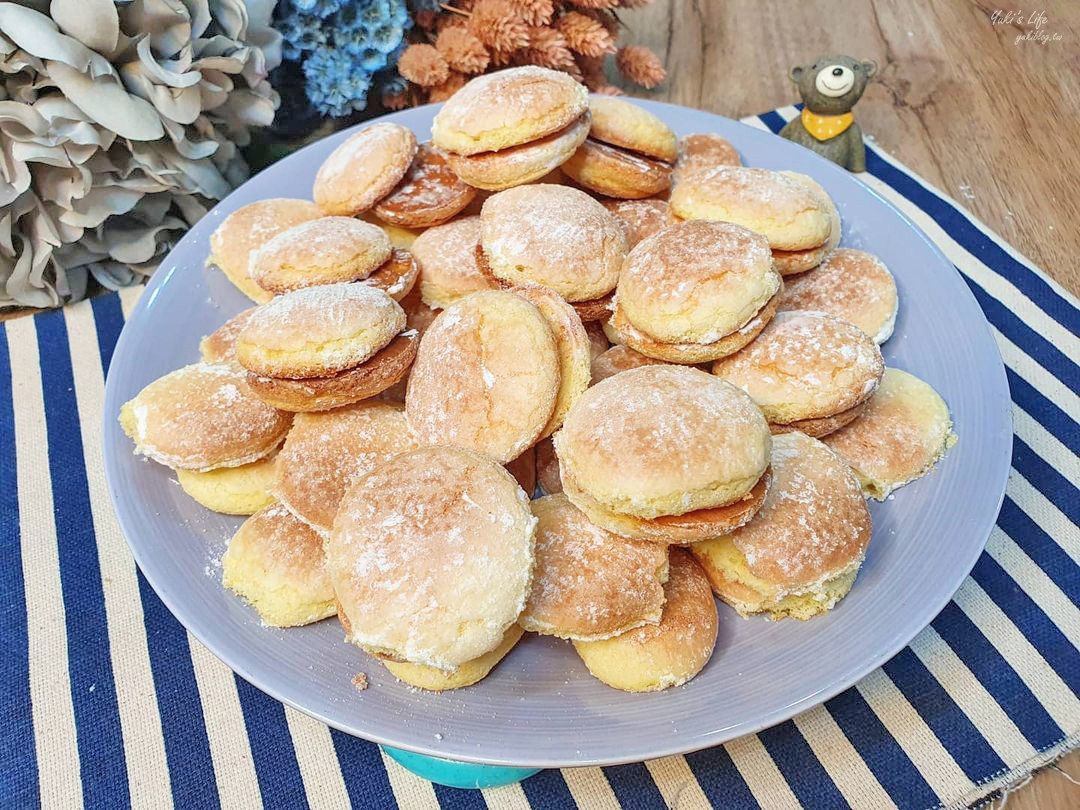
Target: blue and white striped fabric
107,701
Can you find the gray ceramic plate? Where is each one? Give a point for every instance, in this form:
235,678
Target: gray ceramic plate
540,707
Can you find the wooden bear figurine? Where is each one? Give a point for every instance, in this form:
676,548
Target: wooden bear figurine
829,88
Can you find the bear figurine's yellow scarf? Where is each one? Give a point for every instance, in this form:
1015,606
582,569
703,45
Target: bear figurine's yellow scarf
824,127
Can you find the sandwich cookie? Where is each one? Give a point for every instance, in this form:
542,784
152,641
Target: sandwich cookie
246,230
220,345
590,584
432,679
659,656
799,555
429,193
555,236
795,218
695,292
904,431
364,169
512,126
326,452
639,218
242,490
619,358
431,557
702,151
538,161
202,417
572,344
853,285
807,371
800,261
327,250
486,376
275,562
628,154
323,347
446,255
662,441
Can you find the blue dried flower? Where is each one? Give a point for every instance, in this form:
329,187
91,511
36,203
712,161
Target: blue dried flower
300,33
341,44
334,83
320,8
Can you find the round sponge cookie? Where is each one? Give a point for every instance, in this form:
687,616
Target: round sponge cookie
317,331
556,236
572,344
673,530
247,229
696,282
220,345
275,562
801,552
469,673
659,656
702,151
624,332
621,123
364,169
617,359
590,584
322,251
240,490
836,228
431,557
663,440
385,369
790,214
486,376
853,285
201,417
904,431
507,108
639,218
805,365
428,194
616,172
536,160
446,255
326,452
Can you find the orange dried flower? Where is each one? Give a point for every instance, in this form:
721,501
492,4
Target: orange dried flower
595,4
548,48
608,20
585,35
422,64
495,24
534,12
640,65
592,72
454,82
462,50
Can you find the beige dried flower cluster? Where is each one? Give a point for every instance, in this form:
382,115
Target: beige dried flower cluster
119,127
469,37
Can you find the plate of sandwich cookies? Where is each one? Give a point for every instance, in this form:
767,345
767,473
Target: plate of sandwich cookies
573,429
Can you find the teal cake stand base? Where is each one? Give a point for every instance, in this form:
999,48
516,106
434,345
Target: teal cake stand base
458,774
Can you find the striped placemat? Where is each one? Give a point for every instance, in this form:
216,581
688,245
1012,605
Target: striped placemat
107,701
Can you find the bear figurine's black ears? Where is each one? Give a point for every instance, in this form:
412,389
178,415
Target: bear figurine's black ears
869,66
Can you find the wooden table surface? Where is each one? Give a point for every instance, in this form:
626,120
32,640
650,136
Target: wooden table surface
991,120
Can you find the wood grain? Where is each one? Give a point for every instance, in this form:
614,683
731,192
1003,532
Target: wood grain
991,121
